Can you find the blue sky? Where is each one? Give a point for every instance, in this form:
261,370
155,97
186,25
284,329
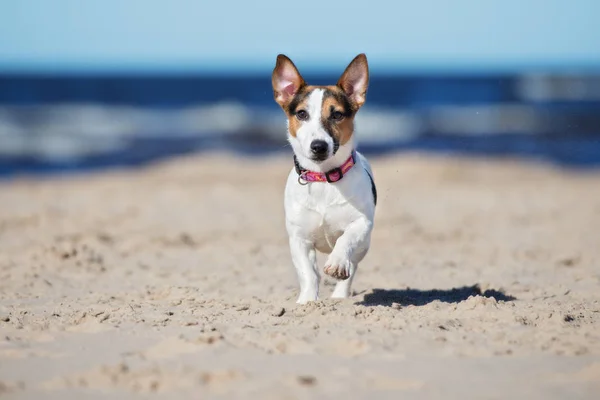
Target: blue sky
200,35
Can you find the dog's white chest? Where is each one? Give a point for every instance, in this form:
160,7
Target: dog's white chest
321,212
325,224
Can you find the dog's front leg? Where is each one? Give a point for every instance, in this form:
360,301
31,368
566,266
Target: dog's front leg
349,250
304,257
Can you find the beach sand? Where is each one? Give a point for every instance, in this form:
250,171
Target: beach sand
175,281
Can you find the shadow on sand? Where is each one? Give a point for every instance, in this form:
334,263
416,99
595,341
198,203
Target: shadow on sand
416,297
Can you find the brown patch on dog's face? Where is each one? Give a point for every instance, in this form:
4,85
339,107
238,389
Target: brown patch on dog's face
298,103
337,115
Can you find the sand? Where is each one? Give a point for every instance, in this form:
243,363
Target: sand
174,281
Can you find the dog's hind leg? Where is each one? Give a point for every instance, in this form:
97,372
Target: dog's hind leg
304,257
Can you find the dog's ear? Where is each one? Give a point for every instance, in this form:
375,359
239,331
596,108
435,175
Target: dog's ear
355,80
286,80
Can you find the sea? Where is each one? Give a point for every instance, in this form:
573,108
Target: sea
56,124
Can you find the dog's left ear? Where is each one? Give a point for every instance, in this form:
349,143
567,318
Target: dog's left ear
355,80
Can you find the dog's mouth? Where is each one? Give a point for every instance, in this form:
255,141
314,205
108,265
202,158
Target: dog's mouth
319,158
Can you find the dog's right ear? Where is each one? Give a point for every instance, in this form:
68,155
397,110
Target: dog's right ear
286,80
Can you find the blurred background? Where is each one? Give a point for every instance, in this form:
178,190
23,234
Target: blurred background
87,85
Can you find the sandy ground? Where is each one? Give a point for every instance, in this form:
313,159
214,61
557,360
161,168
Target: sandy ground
174,281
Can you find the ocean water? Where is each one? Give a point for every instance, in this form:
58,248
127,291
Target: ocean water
56,124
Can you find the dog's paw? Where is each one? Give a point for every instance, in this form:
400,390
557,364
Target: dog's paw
338,268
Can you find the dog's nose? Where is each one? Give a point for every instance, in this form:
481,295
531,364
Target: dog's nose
319,147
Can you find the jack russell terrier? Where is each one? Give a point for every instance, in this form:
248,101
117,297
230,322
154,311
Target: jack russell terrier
330,194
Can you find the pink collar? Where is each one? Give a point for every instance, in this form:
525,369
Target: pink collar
330,176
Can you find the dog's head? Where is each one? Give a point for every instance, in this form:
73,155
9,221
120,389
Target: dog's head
320,118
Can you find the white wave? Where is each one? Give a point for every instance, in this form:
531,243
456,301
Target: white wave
67,131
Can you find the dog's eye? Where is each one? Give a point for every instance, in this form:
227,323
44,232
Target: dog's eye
337,115
302,115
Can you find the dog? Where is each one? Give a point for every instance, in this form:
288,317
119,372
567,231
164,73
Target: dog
330,194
